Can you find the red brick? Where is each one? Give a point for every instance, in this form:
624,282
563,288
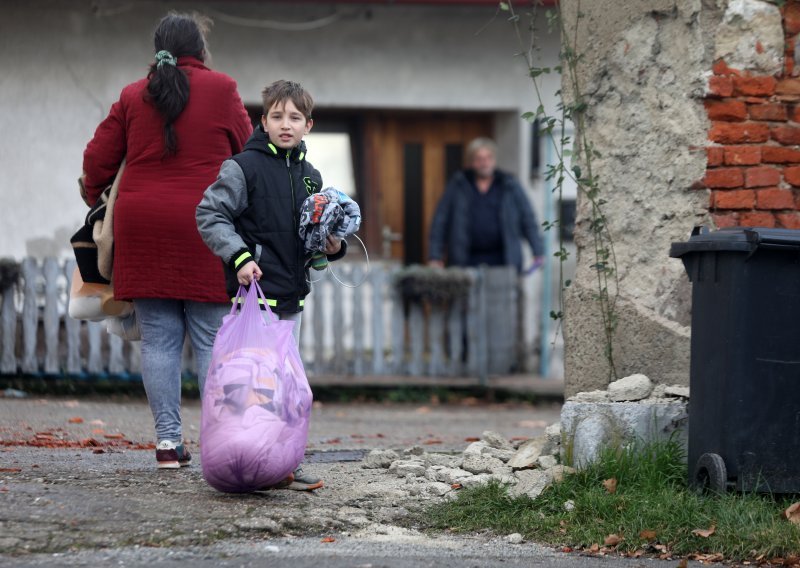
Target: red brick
788,220
721,68
726,178
758,86
774,198
756,219
726,110
792,175
779,155
769,111
722,220
791,18
735,199
789,135
742,155
795,114
788,86
715,155
762,176
738,133
720,86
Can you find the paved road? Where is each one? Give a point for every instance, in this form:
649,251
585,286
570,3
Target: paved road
78,506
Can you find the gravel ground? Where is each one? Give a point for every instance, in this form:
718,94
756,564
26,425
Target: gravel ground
108,505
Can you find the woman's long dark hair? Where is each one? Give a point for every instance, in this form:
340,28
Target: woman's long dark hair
168,88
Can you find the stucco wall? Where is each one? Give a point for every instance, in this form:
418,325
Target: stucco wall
64,64
644,71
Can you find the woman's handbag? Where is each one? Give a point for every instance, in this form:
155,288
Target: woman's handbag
91,294
256,400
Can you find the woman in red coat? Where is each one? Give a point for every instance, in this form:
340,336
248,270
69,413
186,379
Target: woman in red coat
174,128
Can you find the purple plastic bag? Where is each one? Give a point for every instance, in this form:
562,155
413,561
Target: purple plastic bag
256,400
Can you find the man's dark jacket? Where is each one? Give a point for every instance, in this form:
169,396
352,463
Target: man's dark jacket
450,227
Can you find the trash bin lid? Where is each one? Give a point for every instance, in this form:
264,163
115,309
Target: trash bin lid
741,239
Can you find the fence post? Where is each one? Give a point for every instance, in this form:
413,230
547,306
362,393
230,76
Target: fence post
52,323
72,327
398,329
416,334
436,340
30,316
378,300
8,316
358,322
95,332
455,329
339,326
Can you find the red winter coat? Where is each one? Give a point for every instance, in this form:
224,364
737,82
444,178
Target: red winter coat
158,252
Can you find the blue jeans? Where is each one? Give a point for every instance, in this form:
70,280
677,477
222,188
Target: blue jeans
164,324
297,318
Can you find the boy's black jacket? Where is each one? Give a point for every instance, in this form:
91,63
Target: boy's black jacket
277,184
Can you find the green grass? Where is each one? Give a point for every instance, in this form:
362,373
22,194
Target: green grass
651,496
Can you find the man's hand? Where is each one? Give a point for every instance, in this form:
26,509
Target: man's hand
436,264
248,273
333,245
537,262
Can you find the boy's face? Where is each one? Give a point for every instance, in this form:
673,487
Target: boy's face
285,125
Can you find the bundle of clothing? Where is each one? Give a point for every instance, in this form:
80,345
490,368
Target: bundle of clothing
329,212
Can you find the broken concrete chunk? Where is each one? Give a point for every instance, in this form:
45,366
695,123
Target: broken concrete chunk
451,475
527,454
546,462
531,482
633,387
378,459
591,396
403,468
677,391
559,472
501,454
514,538
495,440
481,463
475,448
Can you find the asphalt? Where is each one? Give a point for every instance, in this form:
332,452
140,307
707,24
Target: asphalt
67,503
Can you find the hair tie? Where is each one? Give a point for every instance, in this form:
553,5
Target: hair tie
165,56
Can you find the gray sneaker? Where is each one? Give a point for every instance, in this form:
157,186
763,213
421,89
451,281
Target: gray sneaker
304,481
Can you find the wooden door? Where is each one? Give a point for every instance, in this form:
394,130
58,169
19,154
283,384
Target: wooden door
410,158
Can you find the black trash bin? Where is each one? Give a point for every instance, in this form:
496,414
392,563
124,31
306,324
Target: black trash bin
744,410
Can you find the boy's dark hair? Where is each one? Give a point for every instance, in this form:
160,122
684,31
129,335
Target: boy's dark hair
168,87
282,91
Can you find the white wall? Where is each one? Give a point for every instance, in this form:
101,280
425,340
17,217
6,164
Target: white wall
64,64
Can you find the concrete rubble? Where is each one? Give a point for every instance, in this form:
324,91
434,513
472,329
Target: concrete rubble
632,408
527,467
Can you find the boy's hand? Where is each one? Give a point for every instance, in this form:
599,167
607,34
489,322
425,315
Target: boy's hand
248,273
333,245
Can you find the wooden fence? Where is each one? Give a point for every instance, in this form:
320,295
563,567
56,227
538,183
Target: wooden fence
346,330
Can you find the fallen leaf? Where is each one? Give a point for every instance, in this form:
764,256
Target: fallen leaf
3,489
610,485
10,470
566,549
114,436
612,540
647,535
594,548
75,420
471,439
98,431
431,442
98,451
97,423
423,410
683,563
456,486
793,513
328,539
705,533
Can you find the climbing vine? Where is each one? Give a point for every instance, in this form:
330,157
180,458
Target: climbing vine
574,156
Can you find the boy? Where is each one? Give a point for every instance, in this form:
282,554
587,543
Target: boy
249,216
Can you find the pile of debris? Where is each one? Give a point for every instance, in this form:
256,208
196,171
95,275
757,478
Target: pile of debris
526,466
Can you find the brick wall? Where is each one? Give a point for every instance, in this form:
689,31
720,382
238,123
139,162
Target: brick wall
753,169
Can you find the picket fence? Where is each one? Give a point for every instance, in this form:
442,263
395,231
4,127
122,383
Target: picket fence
347,329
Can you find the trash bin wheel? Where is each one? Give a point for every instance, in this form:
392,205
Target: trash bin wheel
710,474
